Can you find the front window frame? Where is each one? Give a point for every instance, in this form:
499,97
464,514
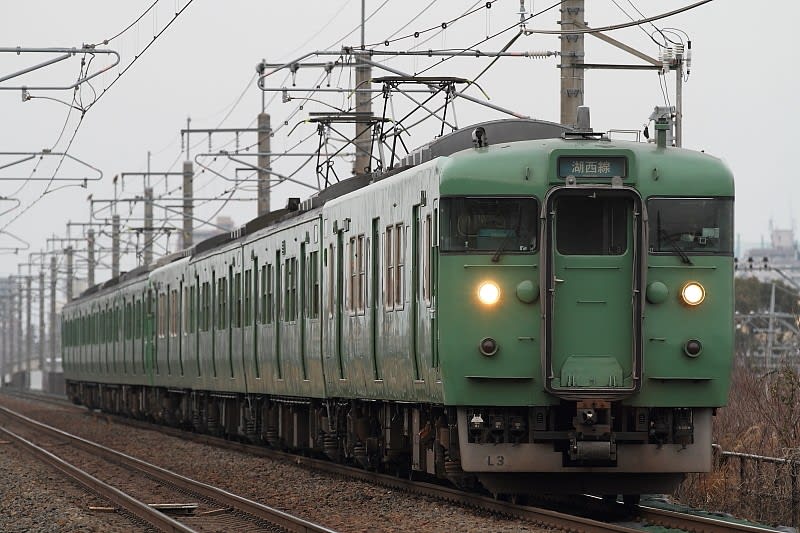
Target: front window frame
444,210
695,252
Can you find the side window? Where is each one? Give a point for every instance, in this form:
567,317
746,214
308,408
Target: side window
173,312
399,257
186,310
222,302
353,280
290,290
361,262
236,299
162,314
263,295
389,262
192,315
137,319
248,297
295,282
270,298
206,307
313,275
330,280
426,258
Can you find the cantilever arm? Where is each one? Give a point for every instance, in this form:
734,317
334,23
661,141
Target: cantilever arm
67,53
43,153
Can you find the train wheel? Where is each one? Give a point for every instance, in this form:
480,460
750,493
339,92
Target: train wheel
609,498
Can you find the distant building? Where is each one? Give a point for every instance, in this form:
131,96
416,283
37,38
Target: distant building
225,224
779,261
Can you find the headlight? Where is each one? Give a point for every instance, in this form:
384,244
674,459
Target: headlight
693,293
488,293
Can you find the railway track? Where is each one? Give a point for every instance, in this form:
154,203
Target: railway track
543,517
132,485
641,516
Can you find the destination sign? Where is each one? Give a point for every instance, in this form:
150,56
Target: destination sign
592,167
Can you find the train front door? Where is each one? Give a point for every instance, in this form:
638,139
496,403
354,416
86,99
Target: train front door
592,338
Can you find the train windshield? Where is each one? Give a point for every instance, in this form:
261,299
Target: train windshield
488,224
691,225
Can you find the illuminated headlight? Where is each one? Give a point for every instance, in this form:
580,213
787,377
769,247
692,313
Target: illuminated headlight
488,293
693,293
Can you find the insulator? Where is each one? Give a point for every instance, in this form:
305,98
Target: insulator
666,59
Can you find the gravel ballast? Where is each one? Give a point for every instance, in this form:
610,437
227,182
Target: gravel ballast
340,504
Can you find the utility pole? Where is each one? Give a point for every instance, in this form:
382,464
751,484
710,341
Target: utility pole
11,328
678,66
188,204
264,163
90,256
770,329
363,140
3,337
147,257
41,322
53,284
28,330
115,246
572,55
20,323
70,287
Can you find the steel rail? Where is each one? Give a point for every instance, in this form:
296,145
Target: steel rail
688,522
646,513
137,508
544,517
286,521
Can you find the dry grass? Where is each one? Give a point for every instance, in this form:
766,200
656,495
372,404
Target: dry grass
762,418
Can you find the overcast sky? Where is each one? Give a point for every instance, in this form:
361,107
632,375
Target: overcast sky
739,99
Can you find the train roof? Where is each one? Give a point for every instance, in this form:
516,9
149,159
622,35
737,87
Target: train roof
672,170
512,138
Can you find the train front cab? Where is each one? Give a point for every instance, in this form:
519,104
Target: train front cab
627,395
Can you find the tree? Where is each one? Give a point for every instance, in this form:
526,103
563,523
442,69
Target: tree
753,295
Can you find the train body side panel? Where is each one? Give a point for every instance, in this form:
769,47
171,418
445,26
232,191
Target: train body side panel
377,333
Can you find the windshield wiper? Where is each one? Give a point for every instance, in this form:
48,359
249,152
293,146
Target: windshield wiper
678,250
496,256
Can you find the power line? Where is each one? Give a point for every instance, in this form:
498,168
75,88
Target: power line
131,25
442,26
351,32
619,26
141,53
509,28
322,29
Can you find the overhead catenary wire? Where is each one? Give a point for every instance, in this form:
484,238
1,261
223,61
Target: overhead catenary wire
85,110
497,34
358,27
129,26
441,26
137,56
650,35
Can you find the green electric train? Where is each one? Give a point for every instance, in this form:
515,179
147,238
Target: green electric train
517,306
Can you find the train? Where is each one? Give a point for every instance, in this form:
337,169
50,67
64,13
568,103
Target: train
517,306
